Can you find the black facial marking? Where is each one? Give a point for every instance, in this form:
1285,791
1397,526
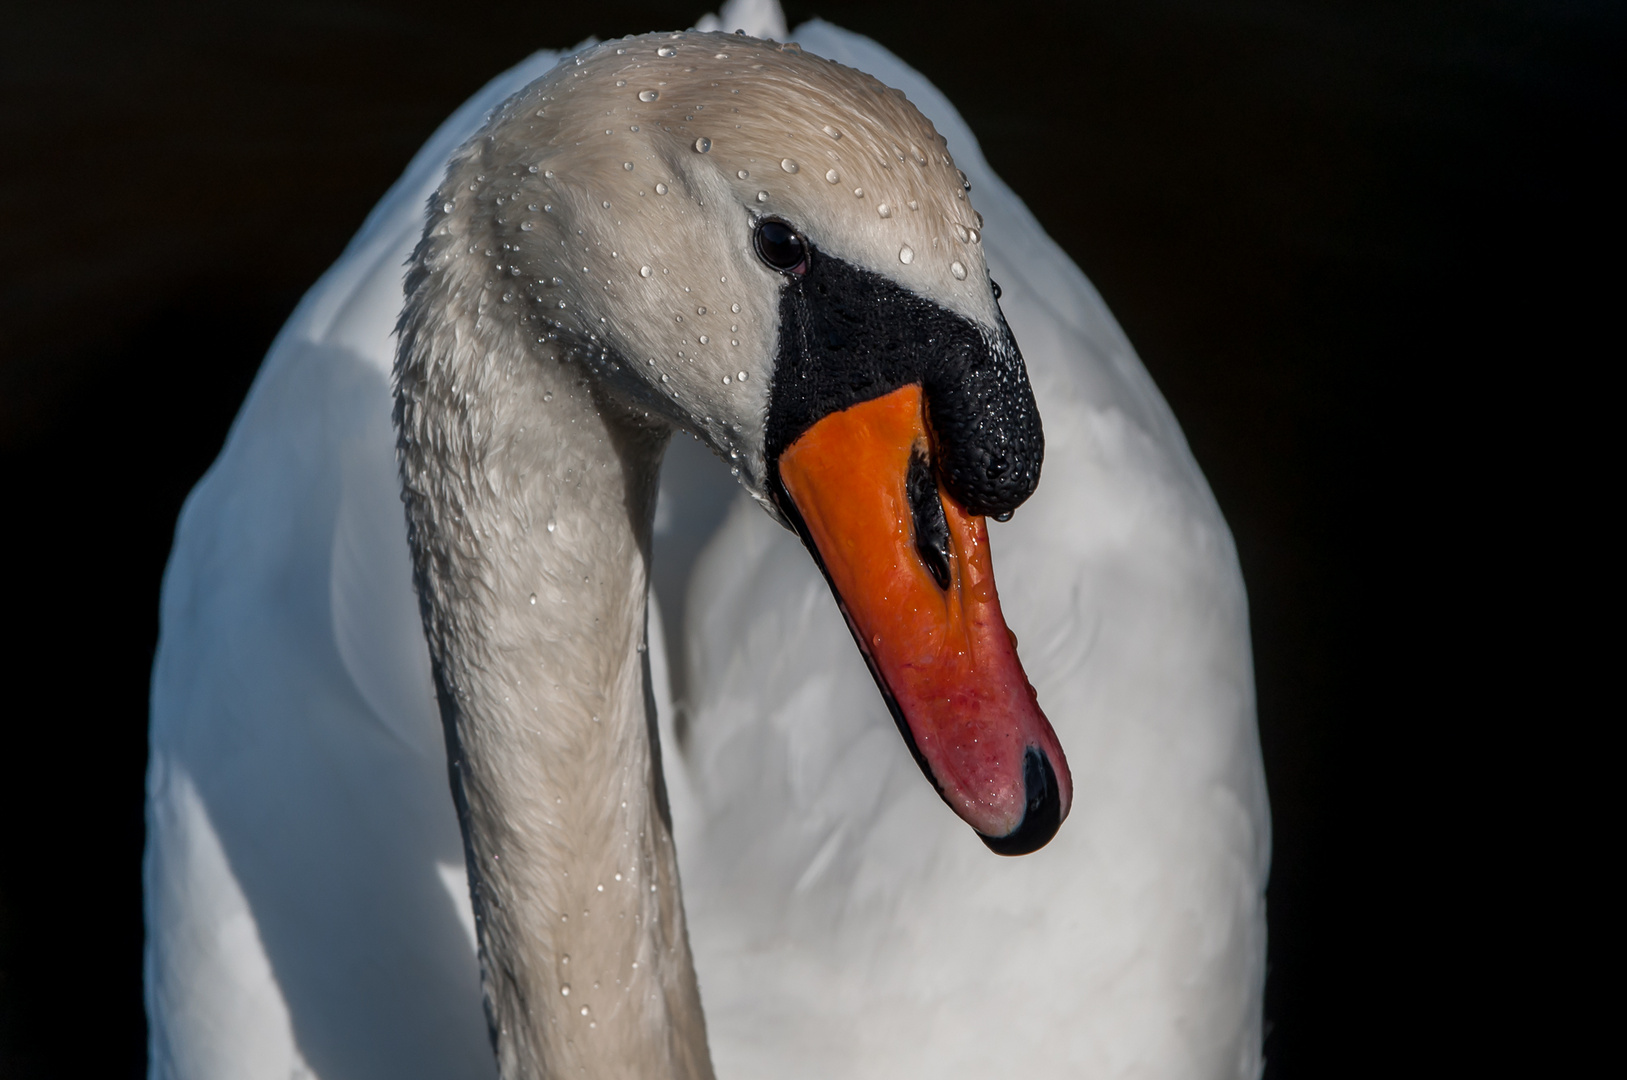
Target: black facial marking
848,335
1042,815
931,527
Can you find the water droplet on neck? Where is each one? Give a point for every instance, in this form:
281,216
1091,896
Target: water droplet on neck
906,254
648,95
884,210
660,189
788,165
743,174
666,50
735,308
551,525
762,196
958,270
565,990
533,598
702,145
832,132
833,177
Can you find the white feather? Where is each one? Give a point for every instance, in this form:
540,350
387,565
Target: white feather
307,905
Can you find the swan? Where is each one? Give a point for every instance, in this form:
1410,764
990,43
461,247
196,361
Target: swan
308,878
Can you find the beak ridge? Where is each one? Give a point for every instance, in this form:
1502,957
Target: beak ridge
911,570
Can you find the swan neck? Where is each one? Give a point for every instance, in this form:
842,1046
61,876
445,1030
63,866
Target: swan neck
530,499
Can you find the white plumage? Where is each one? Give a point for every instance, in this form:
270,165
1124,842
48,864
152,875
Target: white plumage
307,904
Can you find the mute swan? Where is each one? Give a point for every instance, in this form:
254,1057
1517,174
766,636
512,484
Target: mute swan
308,908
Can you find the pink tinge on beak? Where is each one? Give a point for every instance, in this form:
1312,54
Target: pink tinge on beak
918,592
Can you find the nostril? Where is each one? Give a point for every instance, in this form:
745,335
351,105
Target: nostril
931,527
1042,812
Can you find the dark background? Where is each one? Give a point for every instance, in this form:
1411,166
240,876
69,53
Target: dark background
1358,244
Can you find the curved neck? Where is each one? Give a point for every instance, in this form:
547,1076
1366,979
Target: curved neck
529,502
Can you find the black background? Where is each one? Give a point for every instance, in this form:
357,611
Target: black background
1358,244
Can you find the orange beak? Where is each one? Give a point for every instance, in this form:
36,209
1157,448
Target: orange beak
912,574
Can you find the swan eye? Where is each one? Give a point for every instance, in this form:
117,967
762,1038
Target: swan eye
780,247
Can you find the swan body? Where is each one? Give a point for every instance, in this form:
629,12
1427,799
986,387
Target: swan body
308,904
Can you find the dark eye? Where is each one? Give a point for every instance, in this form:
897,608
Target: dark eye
779,246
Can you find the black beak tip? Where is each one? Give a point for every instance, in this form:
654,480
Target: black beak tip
1041,817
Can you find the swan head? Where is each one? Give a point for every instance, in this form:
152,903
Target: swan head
776,253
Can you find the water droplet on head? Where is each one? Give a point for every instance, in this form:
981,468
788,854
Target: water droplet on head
648,95
906,254
527,226
550,524
958,270
628,165
884,210
762,196
565,991
666,50
833,176
960,232
832,132
702,145
725,380
741,376
533,598
743,174
788,165
735,308
644,271
446,208
858,193
704,339
660,189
